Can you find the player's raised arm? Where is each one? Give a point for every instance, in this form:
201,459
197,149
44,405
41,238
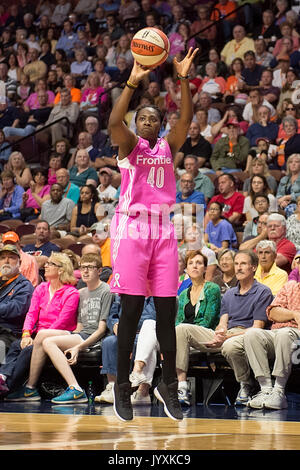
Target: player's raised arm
177,135
119,132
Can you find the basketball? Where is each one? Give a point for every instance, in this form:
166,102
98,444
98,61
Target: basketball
150,47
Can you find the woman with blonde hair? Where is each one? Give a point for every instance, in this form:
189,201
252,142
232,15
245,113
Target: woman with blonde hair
289,186
53,308
16,163
259,167
92,93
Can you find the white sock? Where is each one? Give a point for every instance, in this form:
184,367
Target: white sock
280,383
264,382
183,385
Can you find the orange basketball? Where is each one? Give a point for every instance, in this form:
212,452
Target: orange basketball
150,47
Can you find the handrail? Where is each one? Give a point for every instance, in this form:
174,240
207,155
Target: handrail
35,132
219,20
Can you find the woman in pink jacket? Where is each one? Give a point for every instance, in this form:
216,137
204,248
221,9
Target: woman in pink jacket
53,307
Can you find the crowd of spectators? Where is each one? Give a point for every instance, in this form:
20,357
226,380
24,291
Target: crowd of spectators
63,65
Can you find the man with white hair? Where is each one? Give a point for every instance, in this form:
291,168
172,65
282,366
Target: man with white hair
286,250
267,272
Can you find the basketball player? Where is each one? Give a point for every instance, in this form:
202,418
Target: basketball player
144,248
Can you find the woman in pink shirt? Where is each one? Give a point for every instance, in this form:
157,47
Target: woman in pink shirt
53,307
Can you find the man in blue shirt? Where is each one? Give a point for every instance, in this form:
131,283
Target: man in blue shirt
188,194
263,128
42,248
68,39
242,307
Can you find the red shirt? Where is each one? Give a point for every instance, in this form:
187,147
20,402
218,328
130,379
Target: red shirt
286,248
234,203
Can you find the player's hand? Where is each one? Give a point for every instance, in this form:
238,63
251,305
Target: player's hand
138,73
183,67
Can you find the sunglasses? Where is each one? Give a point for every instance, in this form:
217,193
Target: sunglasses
290,109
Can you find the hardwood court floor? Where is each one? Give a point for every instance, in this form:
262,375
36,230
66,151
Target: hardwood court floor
45,427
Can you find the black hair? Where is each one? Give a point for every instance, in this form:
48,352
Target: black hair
153,106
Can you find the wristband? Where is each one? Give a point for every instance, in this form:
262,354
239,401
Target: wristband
180,77
131,85
26,333
208,245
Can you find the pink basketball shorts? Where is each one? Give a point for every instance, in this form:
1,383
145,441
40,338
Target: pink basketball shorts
144,257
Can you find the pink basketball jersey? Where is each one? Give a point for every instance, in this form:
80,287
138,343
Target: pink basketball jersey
148,183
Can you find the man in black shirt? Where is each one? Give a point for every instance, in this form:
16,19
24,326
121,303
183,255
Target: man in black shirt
195,144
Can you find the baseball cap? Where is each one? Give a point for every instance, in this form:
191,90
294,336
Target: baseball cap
11,237
97,227
262,138
106,170
11,249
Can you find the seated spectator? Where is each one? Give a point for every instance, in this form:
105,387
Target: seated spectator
66,108
195,144
33,101
289,145
230,153
23,90
274,344
61,347
267,29
293,226
204,101
281,65
53,306
155,91
255,231
70,190
243,308
223,8
263,57
10,196
219,233
21,171
37,193
251,73
211,83
35,68
28,266
295,273
256,100
286,92
201,24
258,185
237,46
233,113
104,77
57,211
55,163
81,67
261,204
101,238
9,114
262,127
106,192
9,84
99,138
42,248
188,199
92,94
289,185
267,90
68,37
226,278
85,213
69,82
205,128
232,200
203,183
235,77
193,240
286,32
32,119
259,166
198,309
286,250
180,40
82,173
46,54
15,296
14,71
288,109
267,272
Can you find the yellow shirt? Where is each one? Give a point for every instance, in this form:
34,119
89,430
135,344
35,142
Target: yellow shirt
275,279
233,49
